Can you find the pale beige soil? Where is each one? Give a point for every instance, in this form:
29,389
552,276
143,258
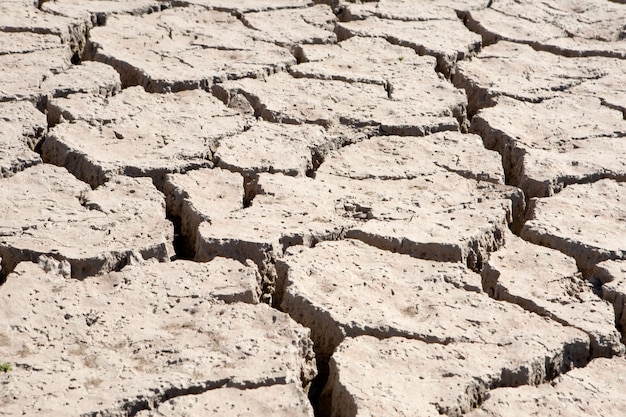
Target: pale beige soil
312,208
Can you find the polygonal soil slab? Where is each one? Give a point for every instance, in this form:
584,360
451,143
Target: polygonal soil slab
190,48
426,196
298,25
611,88
549,145
463,230
293,150
17,84
447,39
520,72
15,156
245,6
584,221
595,390
48,211
286,211
347,289
24,16
405,10
202,195
593,28
612,276
137,133
281,98
26,42
405,76
96,12
50,71
88,77
275,400
397,10
134,102
117,344
397,376
410,167
21,129
367,60
222,279
546,282
394,157
430,210
24,119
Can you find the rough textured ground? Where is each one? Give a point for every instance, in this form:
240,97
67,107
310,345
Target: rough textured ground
312,208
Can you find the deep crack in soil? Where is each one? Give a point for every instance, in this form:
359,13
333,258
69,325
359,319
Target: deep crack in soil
199,203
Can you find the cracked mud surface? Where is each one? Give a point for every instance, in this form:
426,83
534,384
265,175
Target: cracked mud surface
312,208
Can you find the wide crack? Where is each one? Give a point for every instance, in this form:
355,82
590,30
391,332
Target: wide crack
269,269
476,107
480,99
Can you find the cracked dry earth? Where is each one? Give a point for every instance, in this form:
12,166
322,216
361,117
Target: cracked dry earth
296,208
